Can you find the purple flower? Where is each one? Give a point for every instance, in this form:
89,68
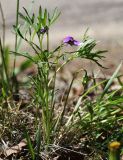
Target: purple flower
71,41
43,30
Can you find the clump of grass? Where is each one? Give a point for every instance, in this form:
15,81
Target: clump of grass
96,113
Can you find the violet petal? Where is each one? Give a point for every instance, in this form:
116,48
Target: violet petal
67,39
77,43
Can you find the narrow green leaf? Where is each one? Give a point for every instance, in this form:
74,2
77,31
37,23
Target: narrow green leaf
17,30
38,142
40,12
24,54
30,146
44,18
111,80
90,109
55,16
22,16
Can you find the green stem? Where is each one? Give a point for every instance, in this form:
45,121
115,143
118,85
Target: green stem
3,38
66,101
4,65
3,25
16,36
16,40
40,42
114,155
48,40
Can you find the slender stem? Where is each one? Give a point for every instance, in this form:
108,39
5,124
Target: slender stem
4,64
48,40
114,154
16,40
40,41
62,65
3,25
3,38
62,114
16,36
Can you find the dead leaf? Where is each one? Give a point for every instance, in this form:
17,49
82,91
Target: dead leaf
15,149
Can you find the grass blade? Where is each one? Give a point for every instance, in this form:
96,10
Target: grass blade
111,80
30,146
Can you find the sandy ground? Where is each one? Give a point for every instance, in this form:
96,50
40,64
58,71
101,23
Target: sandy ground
103,17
